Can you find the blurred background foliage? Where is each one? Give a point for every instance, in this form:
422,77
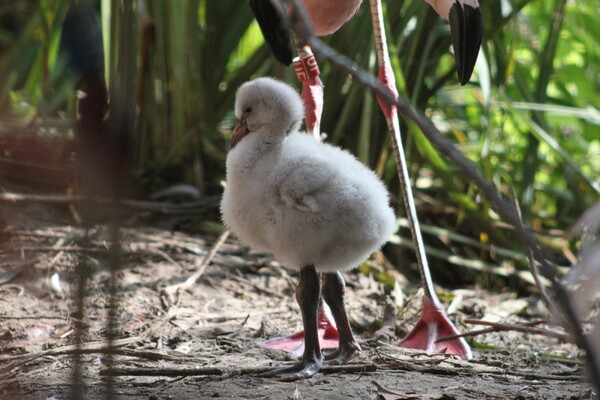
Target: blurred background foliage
529,118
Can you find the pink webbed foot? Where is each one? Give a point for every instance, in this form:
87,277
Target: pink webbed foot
328,336
434,324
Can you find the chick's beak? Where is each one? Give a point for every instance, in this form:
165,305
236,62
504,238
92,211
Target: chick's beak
239,132
466,27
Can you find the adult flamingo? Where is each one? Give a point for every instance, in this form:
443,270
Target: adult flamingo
327,16
464,17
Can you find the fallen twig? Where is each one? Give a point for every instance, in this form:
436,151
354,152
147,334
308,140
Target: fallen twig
257,287
86,347
149,355
384,390
163,371
173,372
526,328
394,362
171,293
482,331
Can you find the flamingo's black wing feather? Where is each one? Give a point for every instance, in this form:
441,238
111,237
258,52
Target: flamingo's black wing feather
271,25
466,26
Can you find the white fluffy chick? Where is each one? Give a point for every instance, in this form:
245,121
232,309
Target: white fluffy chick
313,206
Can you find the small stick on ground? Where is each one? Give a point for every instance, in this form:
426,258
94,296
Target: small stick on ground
175,372
497,327
394,363
380,388
482,331
258,288
172,292
86,347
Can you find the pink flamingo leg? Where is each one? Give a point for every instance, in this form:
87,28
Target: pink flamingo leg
433,323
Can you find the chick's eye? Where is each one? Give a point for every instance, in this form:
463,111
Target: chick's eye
248,110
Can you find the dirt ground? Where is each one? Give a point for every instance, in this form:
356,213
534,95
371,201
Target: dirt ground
201,343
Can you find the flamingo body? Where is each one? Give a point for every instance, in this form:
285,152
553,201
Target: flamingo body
328,16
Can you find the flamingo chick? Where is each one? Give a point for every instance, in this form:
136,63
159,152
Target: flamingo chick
313,206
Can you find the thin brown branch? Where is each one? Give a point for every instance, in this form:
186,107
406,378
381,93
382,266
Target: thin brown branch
257,287
171,293
85,347
398,362
175,372
525,328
